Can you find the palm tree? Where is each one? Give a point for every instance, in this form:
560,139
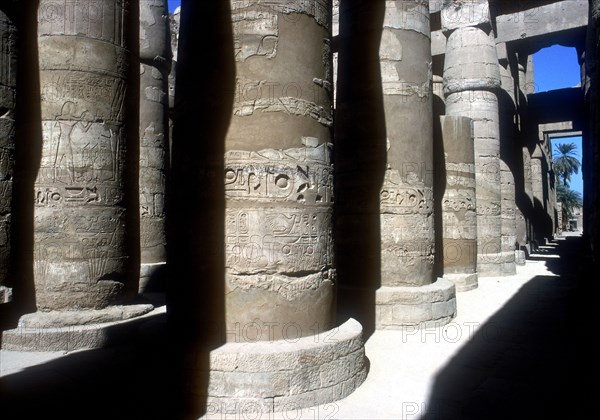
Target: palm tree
565,163
570,200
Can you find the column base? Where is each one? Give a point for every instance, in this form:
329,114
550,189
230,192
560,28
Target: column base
509,267
520,257
463,282
275,376
152,277
489,265
5,294
428,306
72,330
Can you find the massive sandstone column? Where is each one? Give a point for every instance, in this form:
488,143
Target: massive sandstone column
406,199
278,171
8,70
279,272
524,233
86,207
459,205
155,57
472,80
508,206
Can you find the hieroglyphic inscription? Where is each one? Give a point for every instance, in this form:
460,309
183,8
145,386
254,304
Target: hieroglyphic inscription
277,240
403,196
320,10
75,95
279,210
290,289
79,219
302,175
80,153
255,32
8,71
99,19
76,248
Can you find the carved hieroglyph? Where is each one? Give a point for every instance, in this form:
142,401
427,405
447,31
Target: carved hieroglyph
81,255
459,204
8,69
508,109
471,84
278,171
155,57
406,201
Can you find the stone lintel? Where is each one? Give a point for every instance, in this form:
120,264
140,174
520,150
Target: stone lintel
551,18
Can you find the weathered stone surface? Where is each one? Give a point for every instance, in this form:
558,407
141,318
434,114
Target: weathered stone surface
471,83
55,319
278,171
423,306
508,111
463,282
283,375
459,204
83,256
406,202
531,22
155,56
107,327
465,13
8,82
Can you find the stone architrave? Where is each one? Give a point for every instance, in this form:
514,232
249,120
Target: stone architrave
279,172
155,57
86,206
508,110
471,84
8,71
459,205
406,197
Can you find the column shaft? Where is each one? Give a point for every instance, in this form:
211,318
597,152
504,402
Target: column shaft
472,80
8,71
459,205
507,163
407,235
155,57
83,227
279,173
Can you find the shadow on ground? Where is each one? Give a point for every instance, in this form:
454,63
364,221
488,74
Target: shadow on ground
118,382
534,358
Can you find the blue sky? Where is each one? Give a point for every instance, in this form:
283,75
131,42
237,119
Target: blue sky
173,4
555,67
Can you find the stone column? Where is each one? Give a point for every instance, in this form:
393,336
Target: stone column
278,171
155,57
406,200
472,81
524,225
508,110
459,204
279,271
542,223
8,70
86,251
